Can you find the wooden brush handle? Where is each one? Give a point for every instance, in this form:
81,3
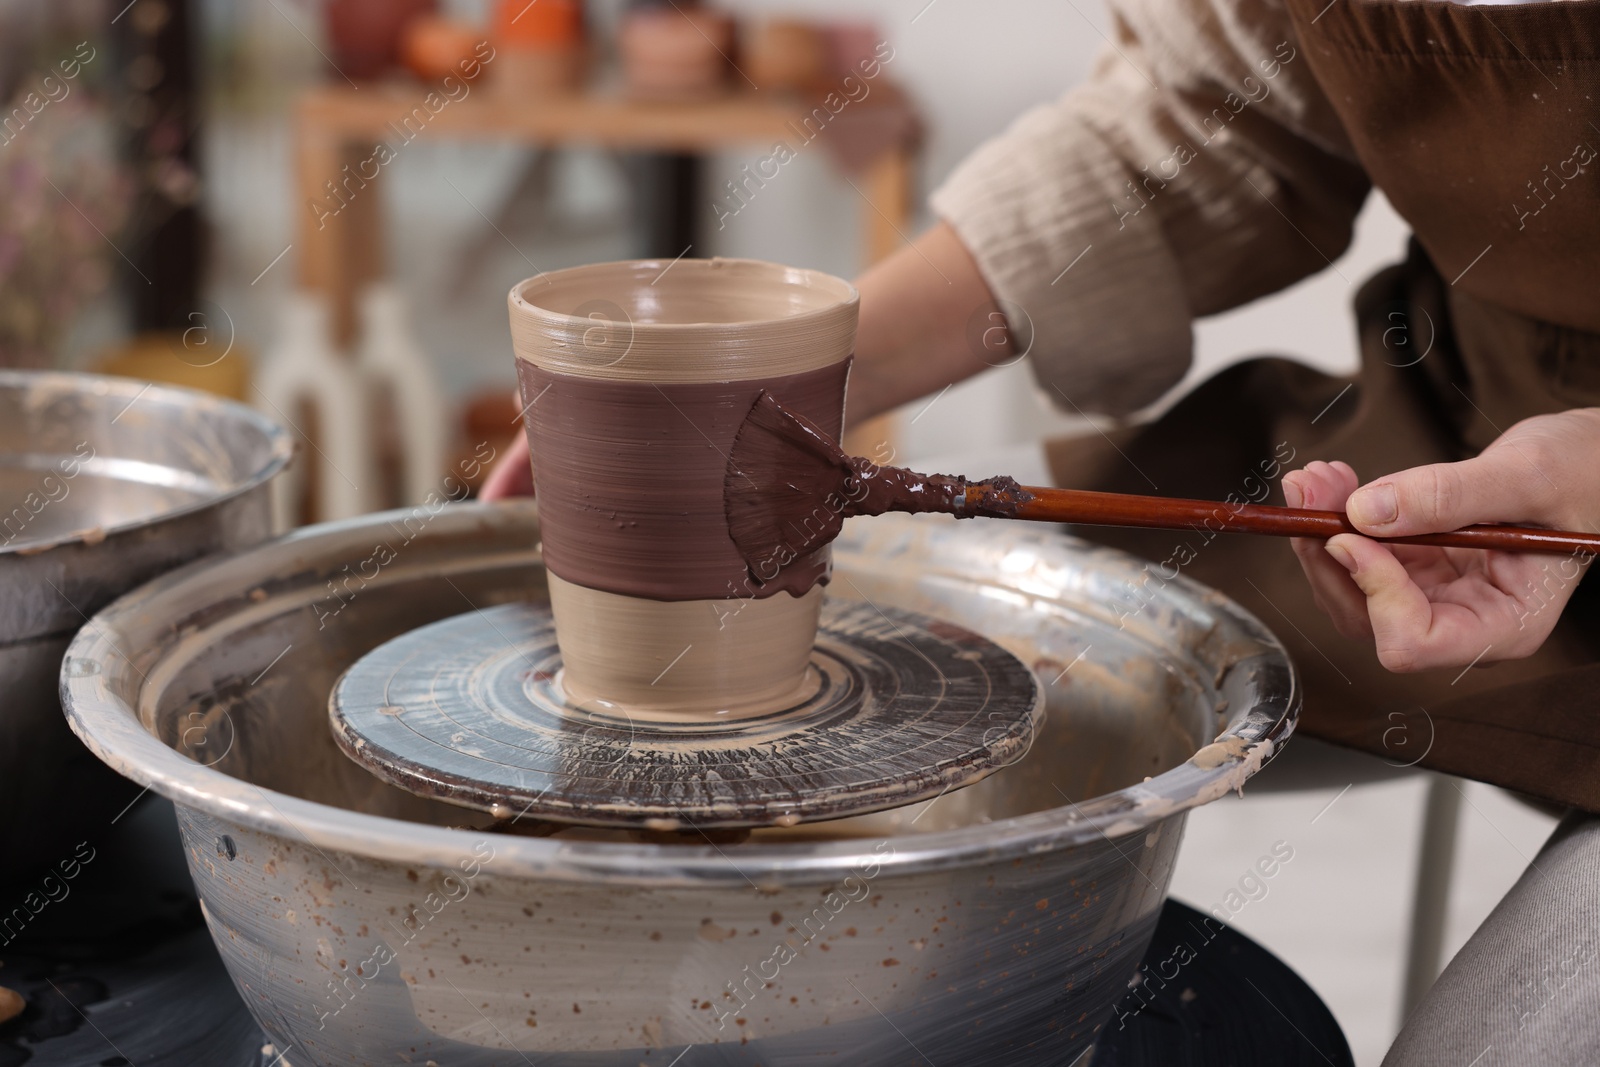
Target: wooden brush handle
1170,513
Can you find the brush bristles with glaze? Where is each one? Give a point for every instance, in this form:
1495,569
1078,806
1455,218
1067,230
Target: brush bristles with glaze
789,487
784,488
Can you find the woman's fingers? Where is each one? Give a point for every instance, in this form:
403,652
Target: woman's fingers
1336,593
1321,486
512,475
1399,613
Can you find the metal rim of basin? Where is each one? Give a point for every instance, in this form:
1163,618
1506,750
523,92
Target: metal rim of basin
280,447
1263,699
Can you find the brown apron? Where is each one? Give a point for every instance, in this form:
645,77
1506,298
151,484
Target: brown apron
1479,124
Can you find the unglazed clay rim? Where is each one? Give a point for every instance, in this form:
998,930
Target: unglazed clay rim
730,351
280,449
111,727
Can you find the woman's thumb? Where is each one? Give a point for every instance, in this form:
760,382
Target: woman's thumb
1439,497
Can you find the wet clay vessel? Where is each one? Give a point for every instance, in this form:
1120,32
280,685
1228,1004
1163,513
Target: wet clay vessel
635,379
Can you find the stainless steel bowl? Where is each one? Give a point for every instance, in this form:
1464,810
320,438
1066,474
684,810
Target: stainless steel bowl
997,924
104,483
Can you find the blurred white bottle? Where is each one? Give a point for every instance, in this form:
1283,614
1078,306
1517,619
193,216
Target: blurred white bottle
304,375
389,355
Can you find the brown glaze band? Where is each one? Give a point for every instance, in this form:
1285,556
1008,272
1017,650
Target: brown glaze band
629,478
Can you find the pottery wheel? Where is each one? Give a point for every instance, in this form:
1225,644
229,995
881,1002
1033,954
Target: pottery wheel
469,710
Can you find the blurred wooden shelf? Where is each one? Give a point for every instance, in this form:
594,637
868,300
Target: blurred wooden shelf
583,117
338,126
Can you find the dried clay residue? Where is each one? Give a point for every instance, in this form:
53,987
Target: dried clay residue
1000,499
1217,753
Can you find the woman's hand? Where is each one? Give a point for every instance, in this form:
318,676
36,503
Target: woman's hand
1427,607
512,475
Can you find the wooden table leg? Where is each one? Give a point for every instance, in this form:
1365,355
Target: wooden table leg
339,246
339,221
886,223
887,213
667,199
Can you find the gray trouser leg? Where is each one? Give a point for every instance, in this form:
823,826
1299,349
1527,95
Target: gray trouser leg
1526,988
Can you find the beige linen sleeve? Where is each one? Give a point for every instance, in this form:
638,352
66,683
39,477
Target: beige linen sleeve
1198,168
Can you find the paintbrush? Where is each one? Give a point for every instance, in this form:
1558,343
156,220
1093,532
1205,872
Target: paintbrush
789,487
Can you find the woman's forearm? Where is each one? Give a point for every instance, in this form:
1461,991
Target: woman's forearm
927,319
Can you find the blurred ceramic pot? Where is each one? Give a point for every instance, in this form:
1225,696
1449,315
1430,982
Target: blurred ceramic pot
668,52
852,47
540,48
546,24
364,35
434,48
784,54
521,73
